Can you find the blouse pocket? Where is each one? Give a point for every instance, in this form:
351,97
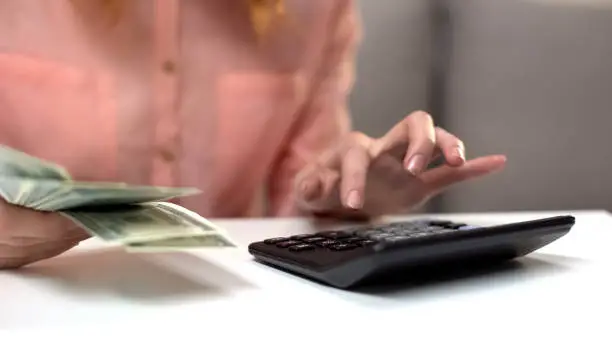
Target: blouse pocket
59,113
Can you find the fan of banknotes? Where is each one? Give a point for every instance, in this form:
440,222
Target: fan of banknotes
137,217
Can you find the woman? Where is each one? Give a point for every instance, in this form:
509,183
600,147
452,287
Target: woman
243,99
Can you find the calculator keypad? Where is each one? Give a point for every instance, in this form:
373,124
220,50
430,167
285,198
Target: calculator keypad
301,247
380,236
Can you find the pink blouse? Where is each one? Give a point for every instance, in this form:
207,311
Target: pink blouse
178,93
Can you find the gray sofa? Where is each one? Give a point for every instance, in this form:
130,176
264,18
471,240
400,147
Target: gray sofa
528,78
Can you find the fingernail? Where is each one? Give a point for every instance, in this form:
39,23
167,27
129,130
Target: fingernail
501,160
415,164
460,153
353,200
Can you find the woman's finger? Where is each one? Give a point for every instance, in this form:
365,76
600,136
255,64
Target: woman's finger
308,185
451,147
416,135
355,164
314,186
422,142
439,179
437,154
17,221
12,257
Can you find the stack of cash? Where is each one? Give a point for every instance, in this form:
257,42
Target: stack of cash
137,217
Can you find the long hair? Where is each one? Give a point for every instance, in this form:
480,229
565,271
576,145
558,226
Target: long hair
263,13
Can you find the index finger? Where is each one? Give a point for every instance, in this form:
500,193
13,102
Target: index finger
354,174
414,137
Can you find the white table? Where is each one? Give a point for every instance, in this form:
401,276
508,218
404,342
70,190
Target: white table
554,293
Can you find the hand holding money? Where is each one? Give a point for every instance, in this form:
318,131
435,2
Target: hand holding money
43,209
27,236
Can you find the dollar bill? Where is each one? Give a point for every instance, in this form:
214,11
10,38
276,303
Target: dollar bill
53,195
79,195
182,243
151,227
133,215
142,222
14,163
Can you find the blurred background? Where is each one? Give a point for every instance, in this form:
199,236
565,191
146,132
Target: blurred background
531,79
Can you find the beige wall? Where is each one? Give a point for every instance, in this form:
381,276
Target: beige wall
529,78
534,81
393,63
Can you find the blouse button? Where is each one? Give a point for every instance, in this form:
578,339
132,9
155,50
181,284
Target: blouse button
169,67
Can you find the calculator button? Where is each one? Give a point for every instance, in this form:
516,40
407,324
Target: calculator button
434,229
366,242
315,239
379,236
367,232
301,236
395,230
441,231
301,247
273,241
398,240
414,229
419,234
342,247
388,229
406,231
336,235
327,243
353,240
411,226
440,223
288,243
468,227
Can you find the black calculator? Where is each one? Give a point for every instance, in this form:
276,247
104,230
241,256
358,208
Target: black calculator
347,257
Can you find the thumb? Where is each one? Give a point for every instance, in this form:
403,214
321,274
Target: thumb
441,178
20,222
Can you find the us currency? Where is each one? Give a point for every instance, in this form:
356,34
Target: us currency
132,215
54,195
150,227
142,222
183,243
14,163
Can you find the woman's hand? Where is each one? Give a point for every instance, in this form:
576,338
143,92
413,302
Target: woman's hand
27,236
366,177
